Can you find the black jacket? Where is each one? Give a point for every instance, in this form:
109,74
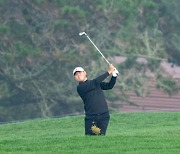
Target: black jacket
92,95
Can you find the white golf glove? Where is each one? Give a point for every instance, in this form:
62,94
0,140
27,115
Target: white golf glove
115,73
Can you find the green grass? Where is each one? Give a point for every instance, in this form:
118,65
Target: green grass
129,133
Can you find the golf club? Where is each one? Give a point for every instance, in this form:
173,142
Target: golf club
83,33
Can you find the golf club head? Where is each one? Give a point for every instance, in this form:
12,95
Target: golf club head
82,33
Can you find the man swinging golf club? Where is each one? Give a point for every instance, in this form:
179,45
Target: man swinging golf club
91,92
95,106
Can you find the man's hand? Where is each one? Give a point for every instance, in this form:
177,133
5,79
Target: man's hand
111,69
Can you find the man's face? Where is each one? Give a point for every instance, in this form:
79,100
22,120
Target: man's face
80,76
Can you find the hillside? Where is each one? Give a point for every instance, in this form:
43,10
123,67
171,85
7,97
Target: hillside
127,133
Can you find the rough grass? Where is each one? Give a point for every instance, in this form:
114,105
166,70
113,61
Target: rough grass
129,133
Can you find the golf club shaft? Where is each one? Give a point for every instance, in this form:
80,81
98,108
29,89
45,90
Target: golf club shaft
97,49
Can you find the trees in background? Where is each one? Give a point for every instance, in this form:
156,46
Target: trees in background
40,46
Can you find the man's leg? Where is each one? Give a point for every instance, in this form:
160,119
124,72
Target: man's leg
89,122
103,122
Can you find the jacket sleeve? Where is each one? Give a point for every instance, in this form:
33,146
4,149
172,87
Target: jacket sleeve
108,85
92,84
102,77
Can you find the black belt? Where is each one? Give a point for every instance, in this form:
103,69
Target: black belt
98,114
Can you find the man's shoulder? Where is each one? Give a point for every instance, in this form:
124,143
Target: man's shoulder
84,84
81,84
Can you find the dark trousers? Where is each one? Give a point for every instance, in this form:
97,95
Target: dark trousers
98,121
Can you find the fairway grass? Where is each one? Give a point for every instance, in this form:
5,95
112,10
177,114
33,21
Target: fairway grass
129,133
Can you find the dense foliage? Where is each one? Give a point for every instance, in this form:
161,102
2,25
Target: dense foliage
40,46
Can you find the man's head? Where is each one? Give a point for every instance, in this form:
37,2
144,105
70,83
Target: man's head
79,74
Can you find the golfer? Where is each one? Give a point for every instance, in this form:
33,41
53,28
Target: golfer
95,106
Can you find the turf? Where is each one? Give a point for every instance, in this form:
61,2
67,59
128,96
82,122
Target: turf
129,133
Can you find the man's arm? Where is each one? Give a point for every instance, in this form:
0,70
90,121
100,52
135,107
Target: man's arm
90,85
108,85
99,79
